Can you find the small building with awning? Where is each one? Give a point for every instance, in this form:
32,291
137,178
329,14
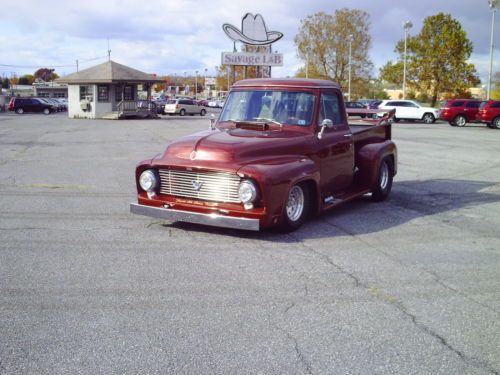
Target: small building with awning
108,90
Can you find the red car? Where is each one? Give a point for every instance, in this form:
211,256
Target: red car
281,150
459,112
489,113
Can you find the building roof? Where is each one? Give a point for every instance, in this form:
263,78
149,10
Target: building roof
108,72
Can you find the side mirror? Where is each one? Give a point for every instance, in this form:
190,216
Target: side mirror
212,122
326,123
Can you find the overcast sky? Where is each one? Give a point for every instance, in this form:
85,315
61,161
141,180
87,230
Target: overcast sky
177,36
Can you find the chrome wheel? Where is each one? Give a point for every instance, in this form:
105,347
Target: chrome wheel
428,118
384,176
295,203
460,121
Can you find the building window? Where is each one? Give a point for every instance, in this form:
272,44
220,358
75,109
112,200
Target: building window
59,95
103,93
43,94
87,93
128,93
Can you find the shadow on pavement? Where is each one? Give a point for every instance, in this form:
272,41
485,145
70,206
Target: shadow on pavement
408,200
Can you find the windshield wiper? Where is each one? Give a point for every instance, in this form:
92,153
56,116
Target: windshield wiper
268,120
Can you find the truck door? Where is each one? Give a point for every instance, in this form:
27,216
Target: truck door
335,149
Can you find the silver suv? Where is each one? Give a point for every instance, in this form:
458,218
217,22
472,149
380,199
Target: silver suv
183,107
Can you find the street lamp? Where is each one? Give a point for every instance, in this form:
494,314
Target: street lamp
350,38
407,25
196,85
205,84
493,5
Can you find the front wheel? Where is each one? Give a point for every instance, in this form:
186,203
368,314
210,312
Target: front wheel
46,111
182,112
203,112
460,121
19,111
496,123
452,123
296,207
428,118
384,181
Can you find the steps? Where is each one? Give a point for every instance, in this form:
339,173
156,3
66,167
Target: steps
111,116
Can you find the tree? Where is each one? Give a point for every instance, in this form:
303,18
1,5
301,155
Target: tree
495,92
26,79
5,83
436,60
323,44
45,74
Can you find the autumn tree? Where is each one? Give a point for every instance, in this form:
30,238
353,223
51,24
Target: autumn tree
26,79
436,60
323,45
45,74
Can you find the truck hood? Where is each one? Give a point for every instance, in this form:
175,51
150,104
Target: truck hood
233,147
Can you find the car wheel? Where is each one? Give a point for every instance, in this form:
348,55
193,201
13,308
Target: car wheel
182,112
46,111
19,111
460,121
203,112
496,122
428,118
490,125
452,123
384,181
296,207
395,119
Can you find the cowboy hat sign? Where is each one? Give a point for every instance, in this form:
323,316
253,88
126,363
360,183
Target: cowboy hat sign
253,31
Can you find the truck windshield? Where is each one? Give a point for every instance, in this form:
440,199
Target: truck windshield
284,107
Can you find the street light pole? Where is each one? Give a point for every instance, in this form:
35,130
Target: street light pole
350,70
196,85
493,5
406,26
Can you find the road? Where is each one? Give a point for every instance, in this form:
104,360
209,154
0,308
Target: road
410,285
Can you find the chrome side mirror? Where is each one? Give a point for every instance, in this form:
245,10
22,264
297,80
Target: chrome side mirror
326,123
212,122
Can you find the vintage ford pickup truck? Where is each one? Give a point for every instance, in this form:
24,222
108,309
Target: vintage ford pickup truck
281,149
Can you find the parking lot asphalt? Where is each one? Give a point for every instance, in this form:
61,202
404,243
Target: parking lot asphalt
410,285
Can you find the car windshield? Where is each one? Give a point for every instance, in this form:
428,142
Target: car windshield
283,107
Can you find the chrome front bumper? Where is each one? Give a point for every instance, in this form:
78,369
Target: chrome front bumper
195,217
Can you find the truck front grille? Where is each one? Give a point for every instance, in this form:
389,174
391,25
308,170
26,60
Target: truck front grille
204,185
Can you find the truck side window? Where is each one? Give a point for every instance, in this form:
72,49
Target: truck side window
330,108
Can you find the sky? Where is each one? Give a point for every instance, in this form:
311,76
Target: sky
176,36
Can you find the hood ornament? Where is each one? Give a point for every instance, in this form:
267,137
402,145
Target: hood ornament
197,185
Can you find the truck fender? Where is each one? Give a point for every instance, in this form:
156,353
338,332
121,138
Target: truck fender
368,160
275,178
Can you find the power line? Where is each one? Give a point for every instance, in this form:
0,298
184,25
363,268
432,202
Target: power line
51,66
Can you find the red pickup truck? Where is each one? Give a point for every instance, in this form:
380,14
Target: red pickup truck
281,150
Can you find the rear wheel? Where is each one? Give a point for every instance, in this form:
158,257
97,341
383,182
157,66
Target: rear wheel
452,123
496,122
203,112
460,121
428,118
296,207
182,112
19,111
384,182
46,111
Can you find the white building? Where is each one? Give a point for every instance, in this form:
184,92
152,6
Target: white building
107,90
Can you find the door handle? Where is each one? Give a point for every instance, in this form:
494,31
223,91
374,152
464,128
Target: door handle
347,135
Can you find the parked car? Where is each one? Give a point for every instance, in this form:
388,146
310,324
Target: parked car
489,113
160,105
374,104
355,105
59,106
410,110
280,151
459,112
22,105
183,107
203,102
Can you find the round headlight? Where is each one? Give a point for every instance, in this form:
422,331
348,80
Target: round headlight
148,180
247,191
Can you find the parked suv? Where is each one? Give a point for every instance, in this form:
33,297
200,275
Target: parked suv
459,112
410,110
489,113
183,107
21,105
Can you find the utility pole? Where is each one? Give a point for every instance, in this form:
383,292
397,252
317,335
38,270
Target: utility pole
493,5
350,68
406,26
